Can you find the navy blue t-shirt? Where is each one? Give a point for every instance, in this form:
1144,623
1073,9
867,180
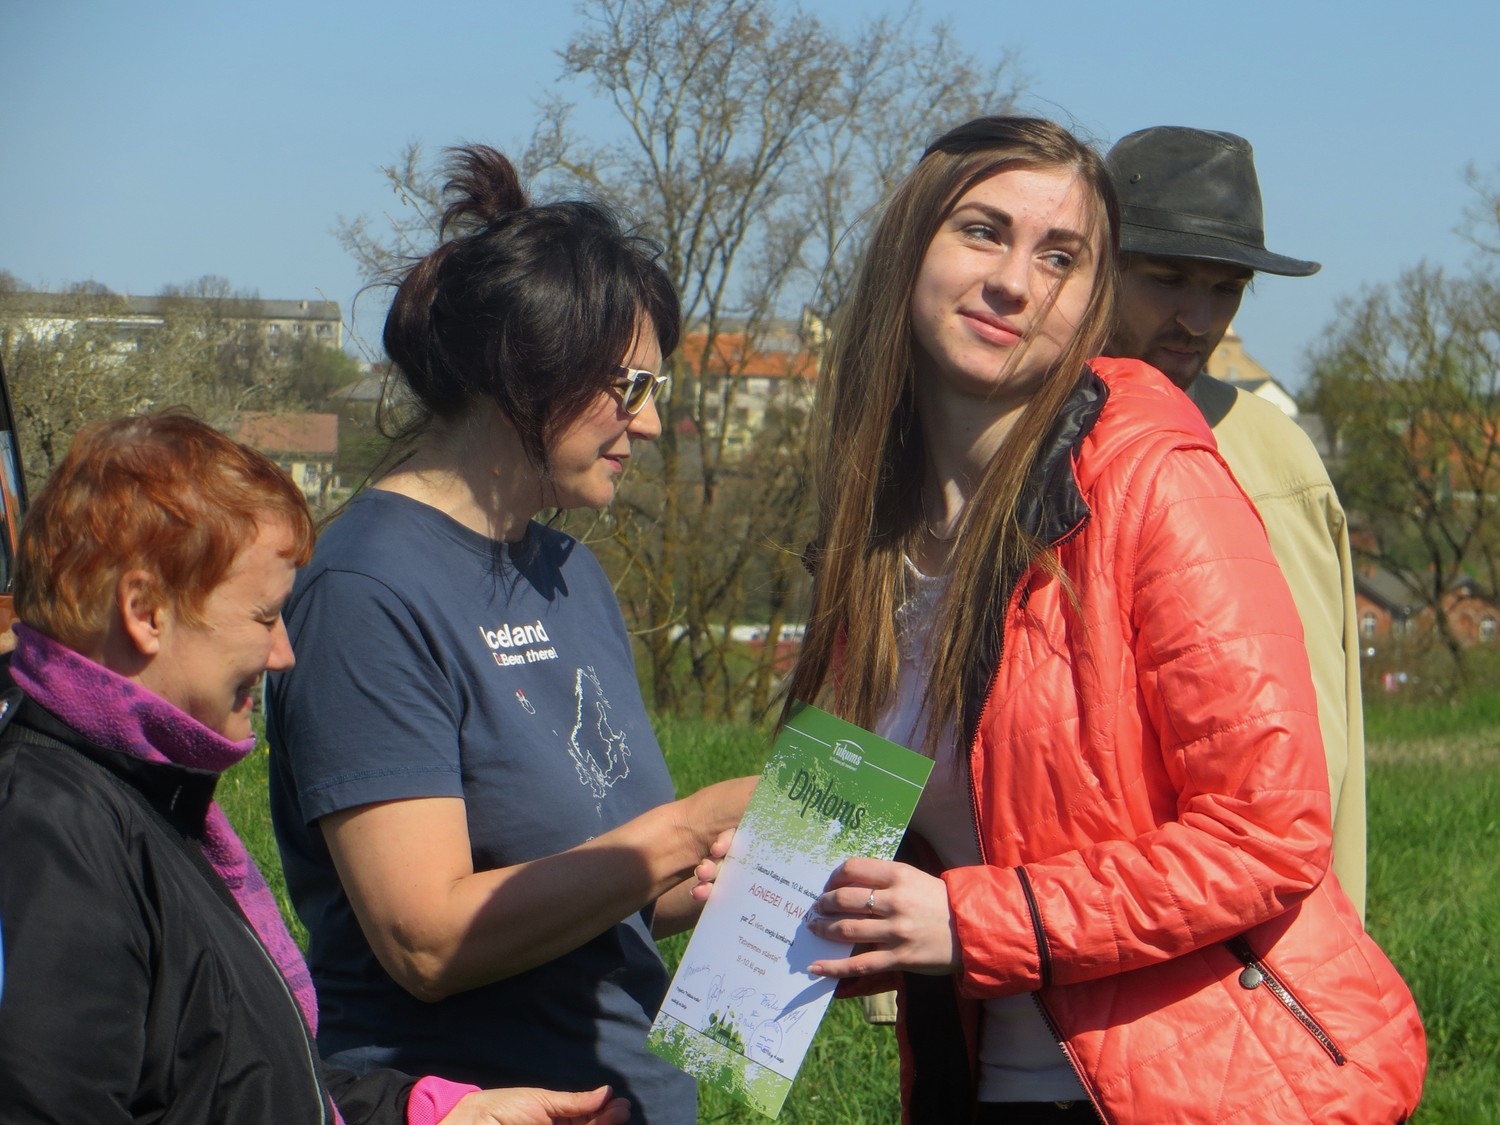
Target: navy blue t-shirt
435,662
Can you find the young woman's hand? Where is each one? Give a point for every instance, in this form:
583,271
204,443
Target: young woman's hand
899,914
521,1105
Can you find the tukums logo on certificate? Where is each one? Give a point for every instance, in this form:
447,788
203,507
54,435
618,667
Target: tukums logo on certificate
742,1009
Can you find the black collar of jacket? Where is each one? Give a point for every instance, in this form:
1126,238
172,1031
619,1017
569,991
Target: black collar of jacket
1051,506
181,794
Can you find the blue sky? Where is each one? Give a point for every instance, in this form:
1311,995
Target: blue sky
152,143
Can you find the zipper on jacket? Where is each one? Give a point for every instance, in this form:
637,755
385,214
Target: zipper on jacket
971,735
323,1098
1021,596
1046,975
1095,1104
1257,973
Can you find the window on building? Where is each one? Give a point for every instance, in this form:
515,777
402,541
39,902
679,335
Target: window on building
1486,629
1367,623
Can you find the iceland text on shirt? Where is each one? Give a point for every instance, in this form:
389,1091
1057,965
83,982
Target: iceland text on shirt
527,638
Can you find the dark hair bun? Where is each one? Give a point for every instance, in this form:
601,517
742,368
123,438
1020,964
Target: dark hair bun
483,186
526,307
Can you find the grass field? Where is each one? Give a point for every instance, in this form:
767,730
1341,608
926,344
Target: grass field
1434,906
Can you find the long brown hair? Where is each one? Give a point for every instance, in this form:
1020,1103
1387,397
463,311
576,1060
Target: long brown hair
869,455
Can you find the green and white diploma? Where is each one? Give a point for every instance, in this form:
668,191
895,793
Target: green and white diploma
742,1009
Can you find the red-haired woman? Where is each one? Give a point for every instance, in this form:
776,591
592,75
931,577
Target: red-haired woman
151,976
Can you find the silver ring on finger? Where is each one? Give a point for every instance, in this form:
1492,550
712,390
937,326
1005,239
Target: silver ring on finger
870,901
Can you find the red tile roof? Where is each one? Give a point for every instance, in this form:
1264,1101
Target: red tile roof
730,356
302,433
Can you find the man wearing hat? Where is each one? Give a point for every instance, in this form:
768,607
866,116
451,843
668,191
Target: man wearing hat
1191,239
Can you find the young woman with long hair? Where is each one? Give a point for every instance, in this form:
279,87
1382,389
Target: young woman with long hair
1033,566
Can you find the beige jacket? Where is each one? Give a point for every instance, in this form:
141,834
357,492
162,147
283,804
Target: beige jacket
1280,470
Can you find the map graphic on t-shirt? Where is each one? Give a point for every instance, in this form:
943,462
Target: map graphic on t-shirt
601,769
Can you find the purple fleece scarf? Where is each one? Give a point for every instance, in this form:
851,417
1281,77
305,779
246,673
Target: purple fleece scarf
121,715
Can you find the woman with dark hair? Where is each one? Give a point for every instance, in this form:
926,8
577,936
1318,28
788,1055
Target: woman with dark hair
152,978
1033,565
475,819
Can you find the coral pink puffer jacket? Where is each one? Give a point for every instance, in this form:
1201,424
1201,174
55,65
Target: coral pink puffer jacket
1152,804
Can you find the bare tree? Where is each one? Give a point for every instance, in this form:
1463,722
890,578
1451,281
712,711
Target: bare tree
1481,222
88,354
62,372
1409,378
409,231
753,141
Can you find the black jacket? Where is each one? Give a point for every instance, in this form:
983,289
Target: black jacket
135,990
